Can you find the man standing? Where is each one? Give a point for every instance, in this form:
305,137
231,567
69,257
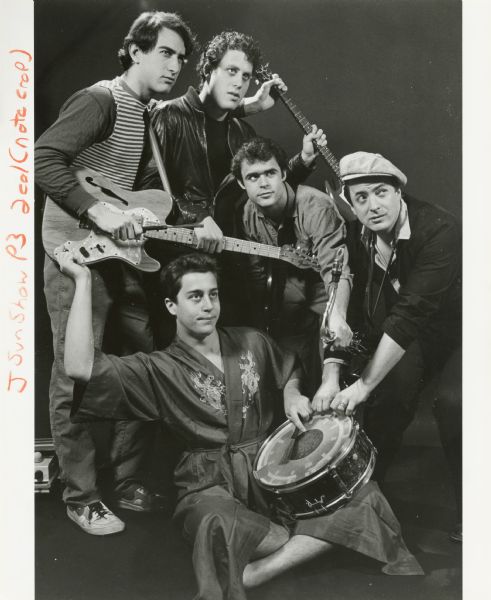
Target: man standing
104,127
198,135
406,301
275,214
200,132
218,390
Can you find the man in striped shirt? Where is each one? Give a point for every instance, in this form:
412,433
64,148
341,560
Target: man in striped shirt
103,127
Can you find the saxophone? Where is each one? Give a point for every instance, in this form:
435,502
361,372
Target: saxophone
357,346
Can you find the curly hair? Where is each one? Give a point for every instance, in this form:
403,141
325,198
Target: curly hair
171,276
258,149
145,30
216,48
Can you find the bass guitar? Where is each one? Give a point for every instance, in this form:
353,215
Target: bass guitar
333,187
61,231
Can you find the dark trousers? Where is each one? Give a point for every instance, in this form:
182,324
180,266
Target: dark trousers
392,406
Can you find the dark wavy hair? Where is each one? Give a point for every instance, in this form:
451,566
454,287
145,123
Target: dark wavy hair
215,49
171,276
145,30
258,149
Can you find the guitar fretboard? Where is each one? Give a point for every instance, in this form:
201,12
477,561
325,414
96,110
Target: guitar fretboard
306,125
187,237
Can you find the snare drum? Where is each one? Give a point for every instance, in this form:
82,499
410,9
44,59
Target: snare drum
317,471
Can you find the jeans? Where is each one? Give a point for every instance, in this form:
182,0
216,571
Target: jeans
79,446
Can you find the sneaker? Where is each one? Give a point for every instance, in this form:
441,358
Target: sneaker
140,499
95,518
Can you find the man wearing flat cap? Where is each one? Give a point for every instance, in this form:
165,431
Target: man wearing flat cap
405,256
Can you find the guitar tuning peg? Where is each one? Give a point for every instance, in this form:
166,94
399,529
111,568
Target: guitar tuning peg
263,72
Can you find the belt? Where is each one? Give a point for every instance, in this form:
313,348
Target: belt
236,468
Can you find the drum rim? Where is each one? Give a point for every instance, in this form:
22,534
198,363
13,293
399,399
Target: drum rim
290,487
343,499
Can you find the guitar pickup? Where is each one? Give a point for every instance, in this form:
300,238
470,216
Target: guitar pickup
84,252
100,248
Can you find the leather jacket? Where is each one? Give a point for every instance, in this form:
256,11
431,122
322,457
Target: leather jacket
179,125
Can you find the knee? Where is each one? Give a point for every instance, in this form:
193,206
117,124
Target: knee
200,517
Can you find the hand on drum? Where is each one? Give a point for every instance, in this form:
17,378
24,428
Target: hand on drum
325,395
298,409
348,399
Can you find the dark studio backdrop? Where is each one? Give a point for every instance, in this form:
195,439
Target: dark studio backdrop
378,75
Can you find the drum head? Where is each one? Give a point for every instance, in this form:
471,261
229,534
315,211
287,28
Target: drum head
283,461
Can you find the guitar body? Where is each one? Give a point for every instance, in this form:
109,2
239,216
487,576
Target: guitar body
59,228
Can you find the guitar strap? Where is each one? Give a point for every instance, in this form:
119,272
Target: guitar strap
276,276
156,153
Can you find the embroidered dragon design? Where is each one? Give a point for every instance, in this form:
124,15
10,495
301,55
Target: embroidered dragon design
210,390
250,379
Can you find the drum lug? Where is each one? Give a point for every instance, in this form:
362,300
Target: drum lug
283,509
340,482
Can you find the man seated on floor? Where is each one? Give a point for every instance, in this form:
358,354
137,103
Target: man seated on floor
405,256
218,390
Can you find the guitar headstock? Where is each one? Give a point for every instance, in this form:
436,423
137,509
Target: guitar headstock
264,73
299,257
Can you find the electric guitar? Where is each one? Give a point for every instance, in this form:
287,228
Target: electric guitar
61,231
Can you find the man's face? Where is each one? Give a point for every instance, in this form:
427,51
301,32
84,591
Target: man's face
229,81
376,205
158,69
263,182
197,306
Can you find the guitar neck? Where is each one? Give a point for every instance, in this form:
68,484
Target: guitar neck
187,237
306,125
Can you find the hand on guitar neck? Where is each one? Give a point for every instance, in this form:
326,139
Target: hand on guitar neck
265,96
209,237
311,144
119,224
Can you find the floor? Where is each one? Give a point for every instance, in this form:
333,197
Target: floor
149,561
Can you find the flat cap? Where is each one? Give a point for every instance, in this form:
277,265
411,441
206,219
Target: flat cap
367,164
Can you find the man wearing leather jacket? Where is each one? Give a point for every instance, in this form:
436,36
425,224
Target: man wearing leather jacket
199,133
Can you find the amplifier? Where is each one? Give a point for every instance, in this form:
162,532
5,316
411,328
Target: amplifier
45,466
